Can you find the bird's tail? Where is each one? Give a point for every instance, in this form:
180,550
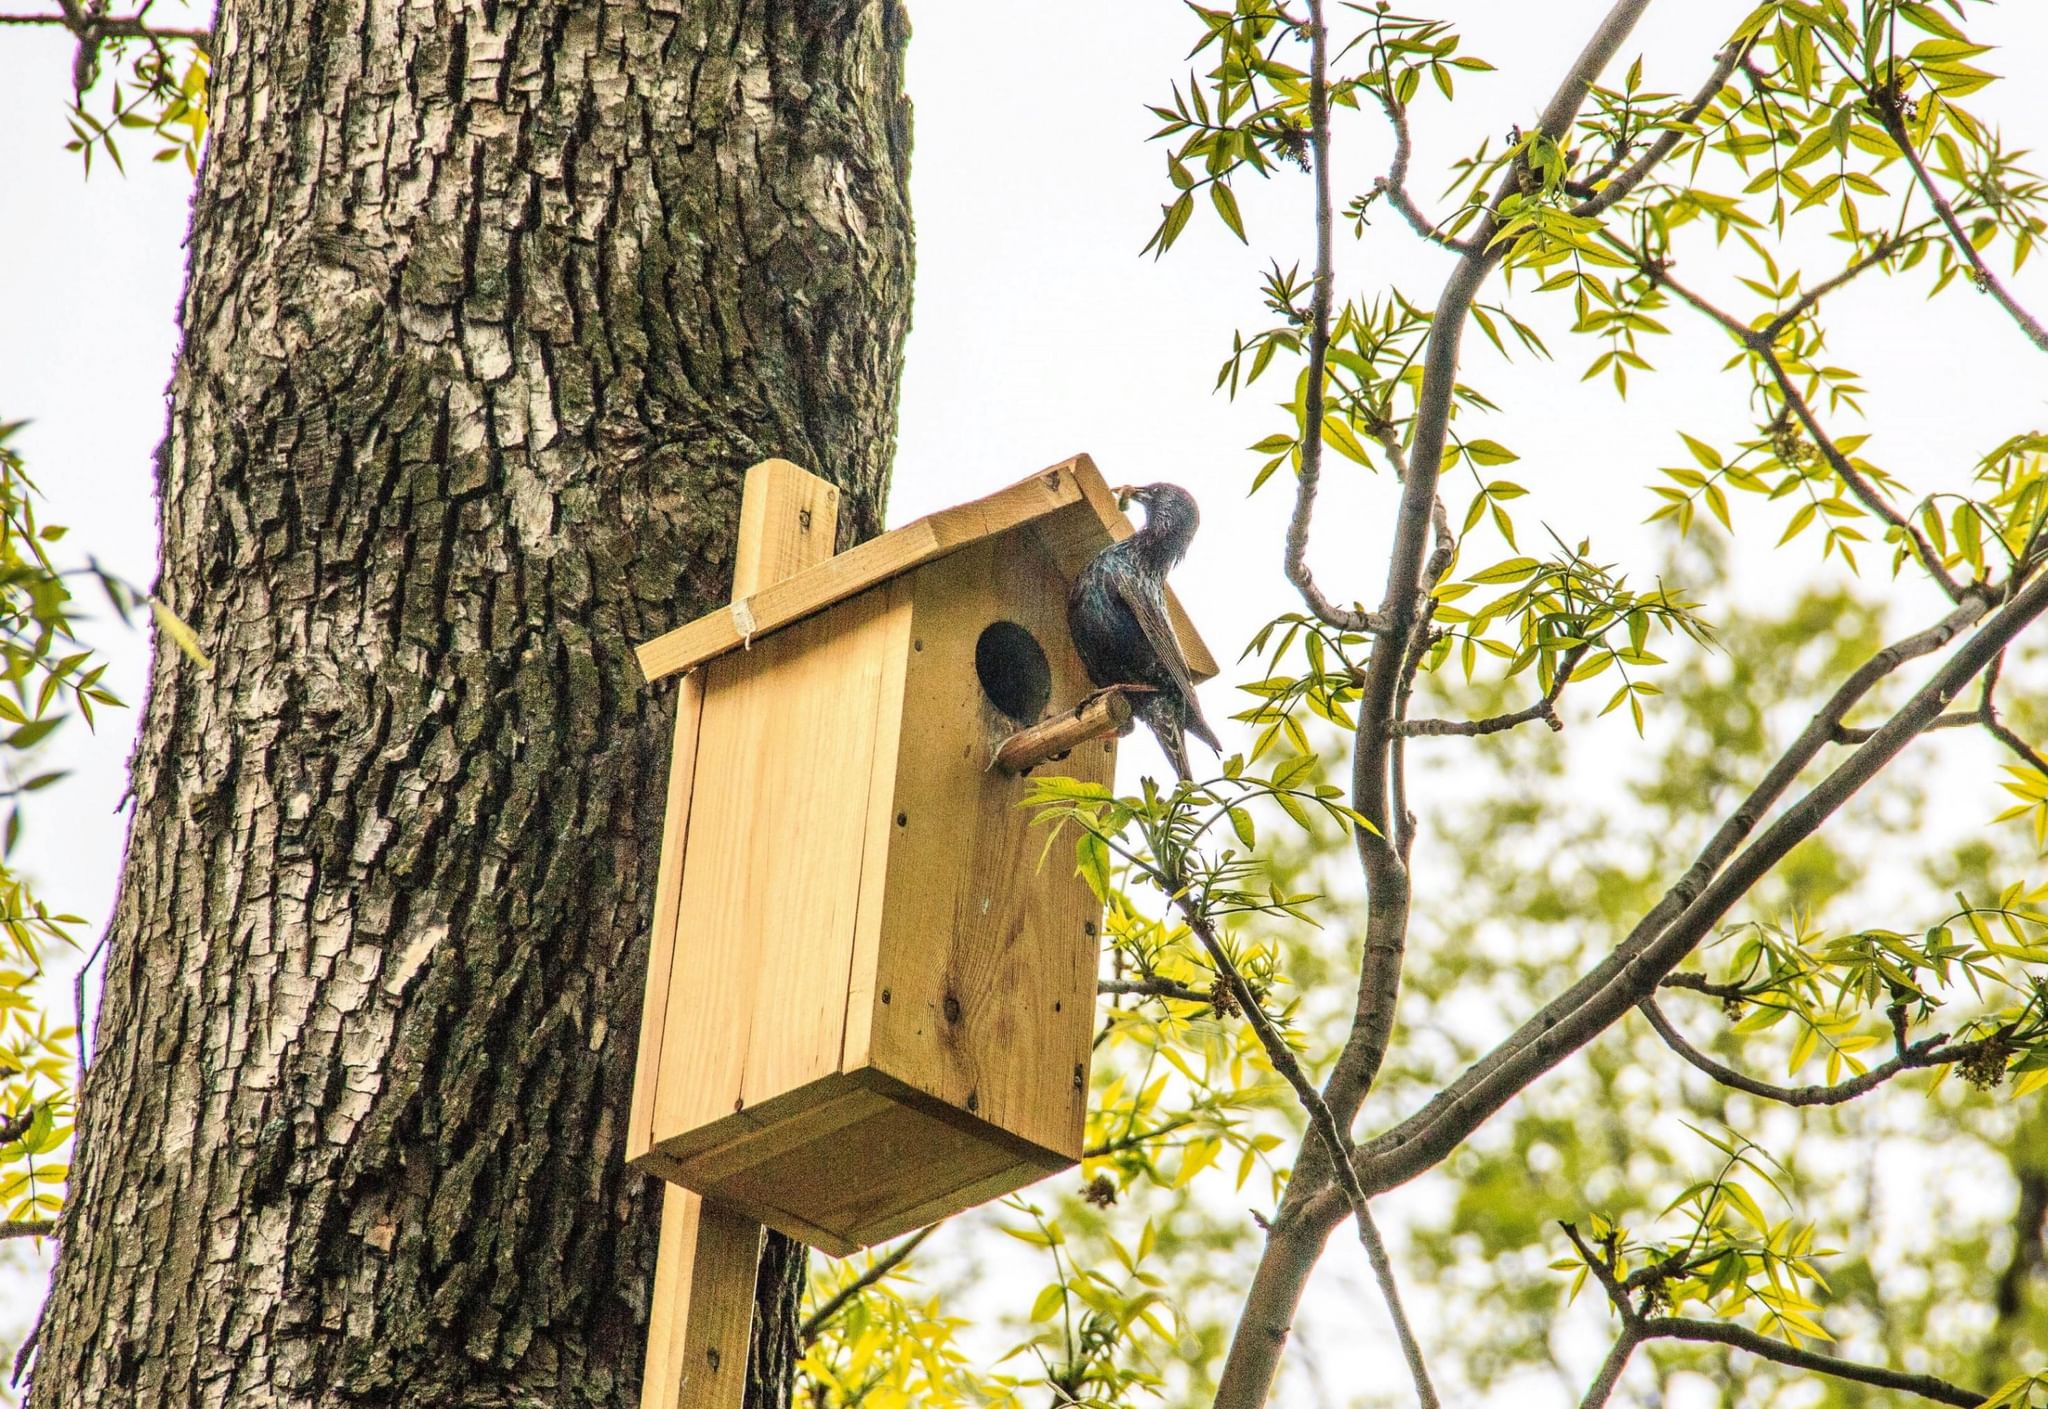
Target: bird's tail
1176,749
1199,726
1164,720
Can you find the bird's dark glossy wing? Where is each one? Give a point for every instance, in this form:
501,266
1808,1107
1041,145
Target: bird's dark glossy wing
1147,603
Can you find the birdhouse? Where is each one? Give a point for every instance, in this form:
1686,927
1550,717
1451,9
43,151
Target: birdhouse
871,990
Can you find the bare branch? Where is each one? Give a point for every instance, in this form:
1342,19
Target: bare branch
1883,250
1726,992
1155,988
1394,185
881,1267
1544,709
1343,618
27,1228
1736,826
1987,708
1742,1338
112,27
1927,1052
1617,1359
1336,1144
1986,280
1844,734
1633,971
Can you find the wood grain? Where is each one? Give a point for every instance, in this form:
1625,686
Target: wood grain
702,1317
789,521
986,959
661,947
772,880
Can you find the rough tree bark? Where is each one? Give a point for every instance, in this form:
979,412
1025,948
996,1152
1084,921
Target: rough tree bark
489,306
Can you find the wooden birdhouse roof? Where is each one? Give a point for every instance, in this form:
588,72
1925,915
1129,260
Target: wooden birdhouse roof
1071,509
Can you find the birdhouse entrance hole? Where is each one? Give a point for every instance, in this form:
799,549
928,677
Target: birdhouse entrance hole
1015,674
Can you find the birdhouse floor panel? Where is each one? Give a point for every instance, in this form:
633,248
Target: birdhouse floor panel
851,1160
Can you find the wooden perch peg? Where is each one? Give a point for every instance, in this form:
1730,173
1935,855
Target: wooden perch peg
1103,713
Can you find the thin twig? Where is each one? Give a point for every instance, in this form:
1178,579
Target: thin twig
1742,1338
115,27
1927,1052
1394,185
1310,476
1726,992
1544,709
1988,708
1762,348
1155,988
1136,1138
1883,250
1335,1142
880,1268
1986,280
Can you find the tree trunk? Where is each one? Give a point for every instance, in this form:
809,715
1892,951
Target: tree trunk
490,305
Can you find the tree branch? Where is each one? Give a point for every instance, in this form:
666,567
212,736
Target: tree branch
1337,1147
1742,1338
1253,1359
1603,1384
1761,346
1736,826
112,27
1883,250
1987,708
1310,476
1394,185
1986,280
1544,709
1616,189
1155,988
27,1228
1927,1052
881,1267
1634,970
1637,1328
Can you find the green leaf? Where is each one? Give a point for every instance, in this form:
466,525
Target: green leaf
182,636
1226,206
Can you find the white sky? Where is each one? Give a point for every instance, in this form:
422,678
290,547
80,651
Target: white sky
1038,331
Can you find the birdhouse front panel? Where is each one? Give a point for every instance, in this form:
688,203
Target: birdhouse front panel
988,938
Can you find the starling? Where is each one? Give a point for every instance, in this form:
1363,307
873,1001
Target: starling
1117,614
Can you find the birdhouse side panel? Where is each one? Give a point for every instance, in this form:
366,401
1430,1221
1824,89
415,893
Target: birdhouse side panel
986,958
771,867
